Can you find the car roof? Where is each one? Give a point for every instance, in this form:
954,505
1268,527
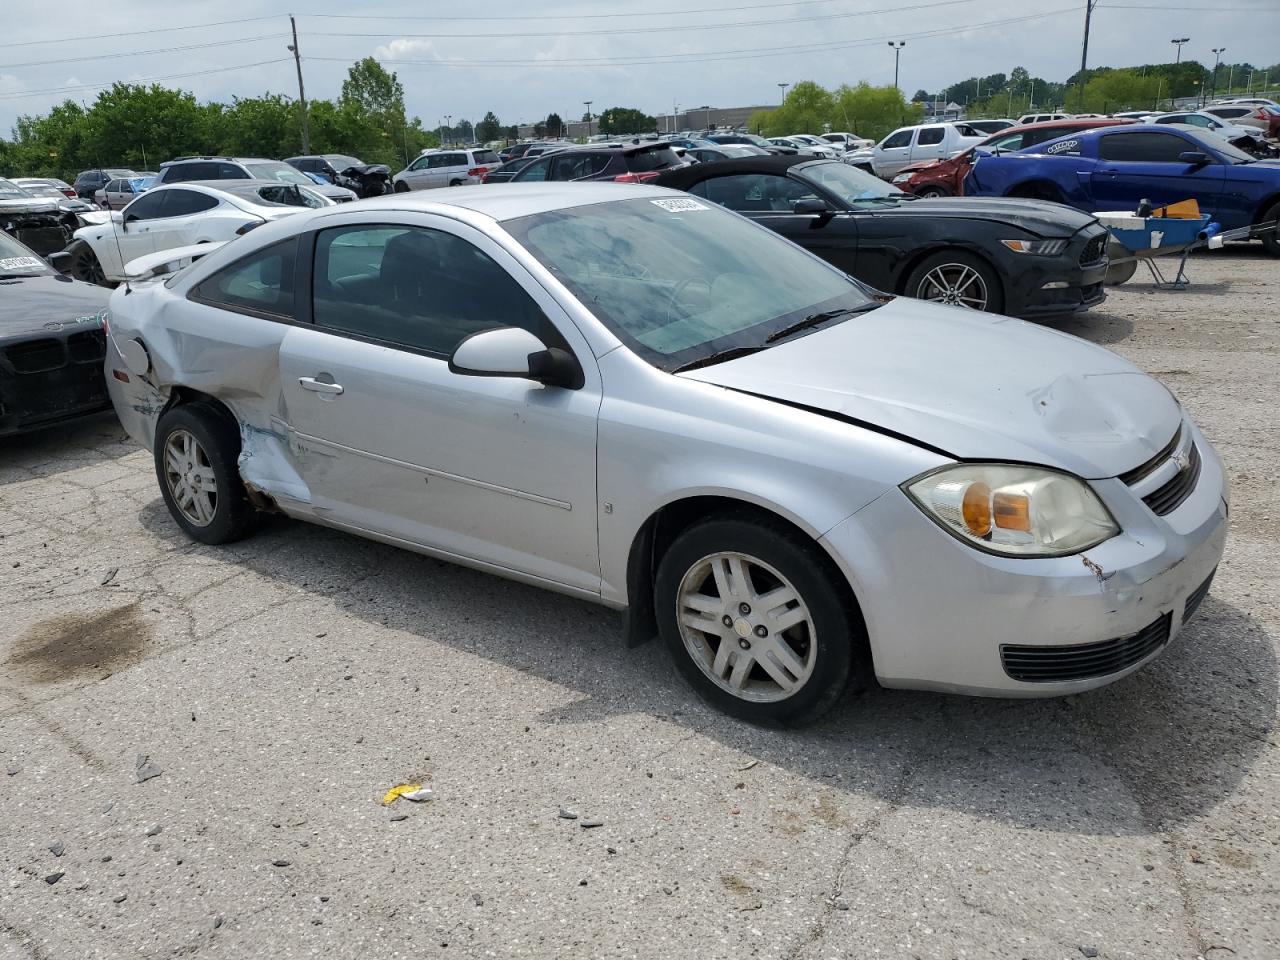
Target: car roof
501,202
682,177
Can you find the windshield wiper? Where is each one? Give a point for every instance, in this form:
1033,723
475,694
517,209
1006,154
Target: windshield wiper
731,354
816,318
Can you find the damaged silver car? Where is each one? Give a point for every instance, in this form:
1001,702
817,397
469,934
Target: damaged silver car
631,396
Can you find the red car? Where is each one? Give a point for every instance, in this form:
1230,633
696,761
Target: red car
945,178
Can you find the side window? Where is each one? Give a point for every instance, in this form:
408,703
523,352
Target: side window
421,163
146,207
753,192
112,186
422,289
1142,147
576,167
535,171
902,138
261,283
228,171
930,136
1015,141
437,160
183,203
456,160
486,156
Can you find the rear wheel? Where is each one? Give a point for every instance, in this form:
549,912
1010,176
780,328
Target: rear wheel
1271,239
455,183
755,619
84,264
956,278
196,450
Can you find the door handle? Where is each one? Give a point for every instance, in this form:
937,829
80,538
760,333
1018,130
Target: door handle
319,386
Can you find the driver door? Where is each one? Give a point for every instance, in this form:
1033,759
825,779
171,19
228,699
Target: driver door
133,234
1138,166
496,470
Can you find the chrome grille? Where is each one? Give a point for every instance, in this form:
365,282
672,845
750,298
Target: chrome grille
1169,497
1094,251
1179,467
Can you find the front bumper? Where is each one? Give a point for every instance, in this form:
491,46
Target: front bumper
1057,286
50,378
939,612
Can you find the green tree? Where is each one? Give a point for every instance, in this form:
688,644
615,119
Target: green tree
872,112
619,120
265,126
489,128
555,126
136,126
921,96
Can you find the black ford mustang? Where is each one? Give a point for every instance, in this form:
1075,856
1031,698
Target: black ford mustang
51,343
1025,258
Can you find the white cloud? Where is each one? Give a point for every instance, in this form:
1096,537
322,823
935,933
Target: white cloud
405,49
11,84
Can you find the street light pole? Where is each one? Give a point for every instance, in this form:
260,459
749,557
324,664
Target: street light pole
448,126
587,104
1178,43
897,51
783,88
302,96
1217,57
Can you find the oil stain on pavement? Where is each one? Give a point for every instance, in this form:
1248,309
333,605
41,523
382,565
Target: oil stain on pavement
80,644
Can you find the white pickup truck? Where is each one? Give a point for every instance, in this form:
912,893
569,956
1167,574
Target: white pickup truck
906,145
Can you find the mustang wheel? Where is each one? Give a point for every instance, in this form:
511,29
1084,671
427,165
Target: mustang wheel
1271,239
956,278
84,264
756,621
196,451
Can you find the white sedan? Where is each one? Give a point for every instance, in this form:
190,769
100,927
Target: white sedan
166,217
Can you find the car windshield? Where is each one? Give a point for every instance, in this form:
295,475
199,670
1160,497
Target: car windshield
678,280
17,261
11,191
341,163
278,170
43,190
1212,144
848,183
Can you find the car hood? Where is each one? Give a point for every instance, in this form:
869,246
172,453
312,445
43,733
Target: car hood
974,386
42,304
1035,216
332,192
29,205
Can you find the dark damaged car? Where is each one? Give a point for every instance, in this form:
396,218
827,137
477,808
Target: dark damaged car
1025,258
51,343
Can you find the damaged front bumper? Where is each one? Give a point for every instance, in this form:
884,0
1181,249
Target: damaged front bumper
1016,627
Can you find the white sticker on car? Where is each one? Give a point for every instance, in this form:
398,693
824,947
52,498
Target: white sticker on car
20,263
679,206
1064,146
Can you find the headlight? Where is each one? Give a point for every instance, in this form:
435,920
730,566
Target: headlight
1014,510
1045,248
902,178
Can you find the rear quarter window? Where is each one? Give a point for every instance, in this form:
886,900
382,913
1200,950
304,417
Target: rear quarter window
652,160
486,156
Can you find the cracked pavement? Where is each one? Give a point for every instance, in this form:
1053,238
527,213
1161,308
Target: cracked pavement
284,683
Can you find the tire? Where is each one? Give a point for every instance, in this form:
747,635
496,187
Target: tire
1271,241
455,183
401,187
84,264
929,193
821,646
200,435
956,278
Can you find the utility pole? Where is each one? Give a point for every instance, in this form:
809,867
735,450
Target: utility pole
1217,57
587,104
1178,43
897,50
302,95
1084,47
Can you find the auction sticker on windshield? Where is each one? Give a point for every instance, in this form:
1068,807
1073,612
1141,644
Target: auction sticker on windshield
679,205
21,263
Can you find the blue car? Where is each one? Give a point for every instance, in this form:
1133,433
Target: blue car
1116,168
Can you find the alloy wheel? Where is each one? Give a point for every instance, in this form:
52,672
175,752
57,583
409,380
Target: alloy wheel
190,477
954,283
746,627
86,268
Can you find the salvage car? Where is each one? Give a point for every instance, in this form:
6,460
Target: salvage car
186,169
635,397
1117,168
945,178
176,216
51,343
362,179
1031,259
37,222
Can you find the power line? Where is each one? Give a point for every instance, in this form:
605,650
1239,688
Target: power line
709,55
140,53
135,33
173,76
572,16
633,30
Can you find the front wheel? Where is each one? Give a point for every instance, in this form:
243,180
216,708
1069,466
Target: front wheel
755,618
84,264
930,193
401,187
956,278
196,451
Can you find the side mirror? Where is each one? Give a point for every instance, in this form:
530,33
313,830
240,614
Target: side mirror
810,205
60,261
1193,157
515,352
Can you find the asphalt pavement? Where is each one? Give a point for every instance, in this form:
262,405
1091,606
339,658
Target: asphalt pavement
195,743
